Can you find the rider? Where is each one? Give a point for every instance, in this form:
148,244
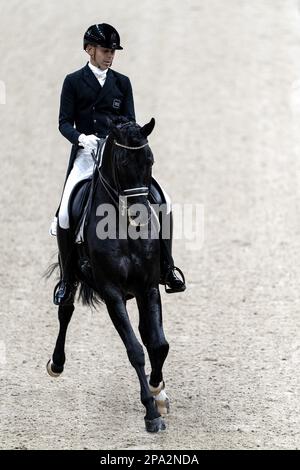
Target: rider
91,97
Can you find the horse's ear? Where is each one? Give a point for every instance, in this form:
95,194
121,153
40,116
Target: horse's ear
148,128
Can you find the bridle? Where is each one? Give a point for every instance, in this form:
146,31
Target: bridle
130,192
118,196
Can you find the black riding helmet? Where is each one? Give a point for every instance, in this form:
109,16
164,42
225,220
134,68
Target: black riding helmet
103,35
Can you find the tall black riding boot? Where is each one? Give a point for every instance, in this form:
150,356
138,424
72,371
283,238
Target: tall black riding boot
65,290
168,271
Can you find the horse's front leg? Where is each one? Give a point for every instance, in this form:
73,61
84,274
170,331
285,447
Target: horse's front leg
153,337
119,316
55,365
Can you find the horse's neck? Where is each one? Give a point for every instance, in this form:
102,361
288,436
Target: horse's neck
107,164
106,181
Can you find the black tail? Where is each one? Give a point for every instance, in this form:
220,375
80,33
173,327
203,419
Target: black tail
50,270
87,295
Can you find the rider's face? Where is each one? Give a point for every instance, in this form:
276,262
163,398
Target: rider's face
101,57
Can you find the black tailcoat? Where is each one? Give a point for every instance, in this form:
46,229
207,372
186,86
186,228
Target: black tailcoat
91,107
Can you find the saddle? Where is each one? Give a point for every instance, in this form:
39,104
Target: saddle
81,198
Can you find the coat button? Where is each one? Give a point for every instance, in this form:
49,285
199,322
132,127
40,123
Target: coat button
95,120
93,108
97,133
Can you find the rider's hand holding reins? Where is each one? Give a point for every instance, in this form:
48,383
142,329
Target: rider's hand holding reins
88,141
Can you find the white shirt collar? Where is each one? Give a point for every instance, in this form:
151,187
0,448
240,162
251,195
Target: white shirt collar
98,72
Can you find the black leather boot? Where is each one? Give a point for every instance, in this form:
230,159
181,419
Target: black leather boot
168,271
65,290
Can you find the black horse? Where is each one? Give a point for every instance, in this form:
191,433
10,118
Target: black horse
115,269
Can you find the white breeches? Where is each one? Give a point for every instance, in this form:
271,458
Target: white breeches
83,168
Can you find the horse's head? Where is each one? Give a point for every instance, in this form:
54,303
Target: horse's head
132,160
132,156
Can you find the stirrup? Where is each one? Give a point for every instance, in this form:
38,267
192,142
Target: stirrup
170,290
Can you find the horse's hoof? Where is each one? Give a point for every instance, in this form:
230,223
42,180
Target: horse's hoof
54,370
155,425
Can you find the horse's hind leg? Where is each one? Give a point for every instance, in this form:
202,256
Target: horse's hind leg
118,313
152,334
55,365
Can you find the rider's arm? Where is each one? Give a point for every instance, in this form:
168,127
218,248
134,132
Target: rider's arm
127,109
67,112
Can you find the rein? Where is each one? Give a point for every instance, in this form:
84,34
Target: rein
109,189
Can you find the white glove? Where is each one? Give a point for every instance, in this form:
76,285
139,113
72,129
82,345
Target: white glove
88,141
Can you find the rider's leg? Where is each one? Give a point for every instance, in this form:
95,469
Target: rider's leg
168,270
65,290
